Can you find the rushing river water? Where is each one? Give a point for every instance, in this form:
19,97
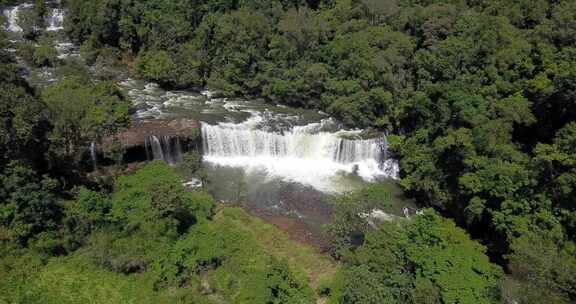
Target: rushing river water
272,158
292,145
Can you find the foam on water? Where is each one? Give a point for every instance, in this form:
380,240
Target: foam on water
305,154
323,175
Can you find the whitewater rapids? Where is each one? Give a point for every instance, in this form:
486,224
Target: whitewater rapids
304,154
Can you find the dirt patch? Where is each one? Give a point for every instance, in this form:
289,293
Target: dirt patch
297,229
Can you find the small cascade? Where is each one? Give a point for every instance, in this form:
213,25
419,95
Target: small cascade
93,155
56,20
66,49
351,151
166,148
12,17
156,147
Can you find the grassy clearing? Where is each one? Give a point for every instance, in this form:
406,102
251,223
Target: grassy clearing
316,266
75,279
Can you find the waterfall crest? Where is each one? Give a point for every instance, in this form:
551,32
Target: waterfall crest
223,141
166,148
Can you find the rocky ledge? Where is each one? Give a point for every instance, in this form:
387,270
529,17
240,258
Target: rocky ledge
138,134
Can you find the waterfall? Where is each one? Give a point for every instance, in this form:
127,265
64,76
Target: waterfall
93,155
350,151
298,143
156,147
305,154
166,148
56,20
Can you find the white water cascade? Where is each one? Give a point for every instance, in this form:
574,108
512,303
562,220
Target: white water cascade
12,17
166,148
305,154
93,155
56,20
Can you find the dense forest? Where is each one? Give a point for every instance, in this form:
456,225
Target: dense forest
480,97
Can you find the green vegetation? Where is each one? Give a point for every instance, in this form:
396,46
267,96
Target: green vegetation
479,94
29,206
42,55
82,111
151,241
425,260
45,55
22,115
318,268
146,241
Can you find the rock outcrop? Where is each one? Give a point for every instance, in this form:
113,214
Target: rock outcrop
154,139
141,131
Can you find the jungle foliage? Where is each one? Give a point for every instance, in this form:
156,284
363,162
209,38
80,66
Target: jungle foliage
479,94
149,240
